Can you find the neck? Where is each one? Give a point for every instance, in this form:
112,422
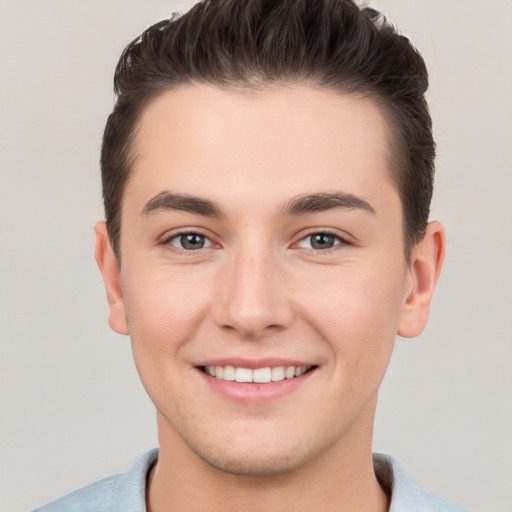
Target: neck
341,479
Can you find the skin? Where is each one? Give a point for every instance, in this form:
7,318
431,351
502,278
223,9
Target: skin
260,289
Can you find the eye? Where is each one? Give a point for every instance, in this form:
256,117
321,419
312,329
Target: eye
190,241
320,241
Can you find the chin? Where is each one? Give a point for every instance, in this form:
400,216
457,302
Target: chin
258,457
254,464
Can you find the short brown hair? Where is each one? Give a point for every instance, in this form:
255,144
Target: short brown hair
331,44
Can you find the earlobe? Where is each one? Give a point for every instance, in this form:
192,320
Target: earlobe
109,268
426,262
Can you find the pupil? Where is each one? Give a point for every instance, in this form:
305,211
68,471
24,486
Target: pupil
322,241
192,241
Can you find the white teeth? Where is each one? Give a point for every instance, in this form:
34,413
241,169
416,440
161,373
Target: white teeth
289,372
243,375
258,375
299,370
277,373
262,375
229,373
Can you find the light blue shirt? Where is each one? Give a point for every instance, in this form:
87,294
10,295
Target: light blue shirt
126,492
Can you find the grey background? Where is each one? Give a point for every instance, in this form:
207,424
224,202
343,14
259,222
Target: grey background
72,408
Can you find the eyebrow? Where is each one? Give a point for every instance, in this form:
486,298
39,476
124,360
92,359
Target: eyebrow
310,203
313,203
187,203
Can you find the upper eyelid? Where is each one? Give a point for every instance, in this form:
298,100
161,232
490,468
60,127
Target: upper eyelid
342,237
168,240
171,235
338,240
179,235
326,231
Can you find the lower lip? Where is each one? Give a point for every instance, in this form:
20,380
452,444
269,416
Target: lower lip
255,393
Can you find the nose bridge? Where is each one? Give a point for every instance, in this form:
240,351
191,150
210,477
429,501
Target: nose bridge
252,297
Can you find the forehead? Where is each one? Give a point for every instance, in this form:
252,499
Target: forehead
282,141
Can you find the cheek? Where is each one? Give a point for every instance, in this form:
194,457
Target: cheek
352,297
164,310
357,313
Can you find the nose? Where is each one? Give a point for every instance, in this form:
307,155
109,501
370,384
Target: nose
252,298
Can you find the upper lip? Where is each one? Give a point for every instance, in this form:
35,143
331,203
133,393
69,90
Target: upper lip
240,362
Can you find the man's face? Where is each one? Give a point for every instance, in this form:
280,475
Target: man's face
260,232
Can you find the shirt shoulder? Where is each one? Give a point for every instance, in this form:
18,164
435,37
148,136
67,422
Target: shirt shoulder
125,492
95,497
406,495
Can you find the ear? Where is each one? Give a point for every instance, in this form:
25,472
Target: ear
426,262
109,268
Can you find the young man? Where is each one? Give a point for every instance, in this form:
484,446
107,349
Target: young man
267,174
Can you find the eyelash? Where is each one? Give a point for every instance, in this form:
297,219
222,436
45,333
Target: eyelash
177,236
338,241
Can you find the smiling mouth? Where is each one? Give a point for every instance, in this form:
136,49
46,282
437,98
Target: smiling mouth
256,375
